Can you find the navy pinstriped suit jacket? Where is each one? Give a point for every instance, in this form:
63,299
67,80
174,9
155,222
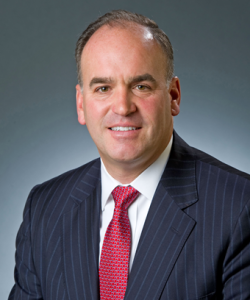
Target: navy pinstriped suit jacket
195,243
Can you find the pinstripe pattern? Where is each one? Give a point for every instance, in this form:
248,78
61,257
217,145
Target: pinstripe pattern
195,243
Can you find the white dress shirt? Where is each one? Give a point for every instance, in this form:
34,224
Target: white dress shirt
146,183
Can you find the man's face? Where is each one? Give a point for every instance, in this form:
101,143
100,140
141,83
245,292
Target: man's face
125,101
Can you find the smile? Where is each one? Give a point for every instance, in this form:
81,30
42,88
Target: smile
119,128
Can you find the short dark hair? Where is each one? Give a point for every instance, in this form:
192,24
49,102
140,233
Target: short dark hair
119,17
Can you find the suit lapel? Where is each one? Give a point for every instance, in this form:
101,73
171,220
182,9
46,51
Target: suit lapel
165,232
80,242
167,227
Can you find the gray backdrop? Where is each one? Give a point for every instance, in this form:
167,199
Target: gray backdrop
40,137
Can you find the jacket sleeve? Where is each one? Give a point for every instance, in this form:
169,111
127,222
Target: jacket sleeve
236,275
27,283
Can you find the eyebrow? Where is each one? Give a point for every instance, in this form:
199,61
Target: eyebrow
97,80
105,80
143,77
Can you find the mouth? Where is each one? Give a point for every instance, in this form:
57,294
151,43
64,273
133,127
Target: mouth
120,128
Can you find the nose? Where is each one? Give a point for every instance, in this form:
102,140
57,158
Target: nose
123,103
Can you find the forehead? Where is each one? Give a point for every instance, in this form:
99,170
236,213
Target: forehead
125,48
117,31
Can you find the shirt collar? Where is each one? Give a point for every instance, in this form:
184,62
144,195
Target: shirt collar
146,183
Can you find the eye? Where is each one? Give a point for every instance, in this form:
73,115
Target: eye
141,87
102,89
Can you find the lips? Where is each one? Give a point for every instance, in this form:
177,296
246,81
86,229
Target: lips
122,128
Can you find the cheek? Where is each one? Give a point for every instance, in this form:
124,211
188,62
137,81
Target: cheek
92,111
154,110
96,112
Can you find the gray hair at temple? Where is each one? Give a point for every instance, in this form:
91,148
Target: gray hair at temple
120,18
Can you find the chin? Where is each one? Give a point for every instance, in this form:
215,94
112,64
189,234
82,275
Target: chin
125,157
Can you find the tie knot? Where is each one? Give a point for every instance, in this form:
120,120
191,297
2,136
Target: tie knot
124,196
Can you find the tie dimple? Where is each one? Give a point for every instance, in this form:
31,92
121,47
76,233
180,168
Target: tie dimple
114,264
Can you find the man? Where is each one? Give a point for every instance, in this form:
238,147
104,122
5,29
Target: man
154,218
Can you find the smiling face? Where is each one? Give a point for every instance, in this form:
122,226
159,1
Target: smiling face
125,101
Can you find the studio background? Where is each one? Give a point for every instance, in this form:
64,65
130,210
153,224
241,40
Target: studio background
39,134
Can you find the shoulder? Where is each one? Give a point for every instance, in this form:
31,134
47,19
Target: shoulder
222,187
216,183
222,176
205,160
204,163
66,180
56,193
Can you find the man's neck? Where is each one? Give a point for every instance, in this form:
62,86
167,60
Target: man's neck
125,172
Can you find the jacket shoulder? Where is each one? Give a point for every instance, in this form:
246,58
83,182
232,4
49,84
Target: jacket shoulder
225,187
209,177
56,193
206,159
70,175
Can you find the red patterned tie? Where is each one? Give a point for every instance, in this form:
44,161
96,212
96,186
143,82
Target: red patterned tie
114,264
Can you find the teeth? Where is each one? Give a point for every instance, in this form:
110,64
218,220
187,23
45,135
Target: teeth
119,128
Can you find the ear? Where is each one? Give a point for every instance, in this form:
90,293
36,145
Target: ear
175,94
79,105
